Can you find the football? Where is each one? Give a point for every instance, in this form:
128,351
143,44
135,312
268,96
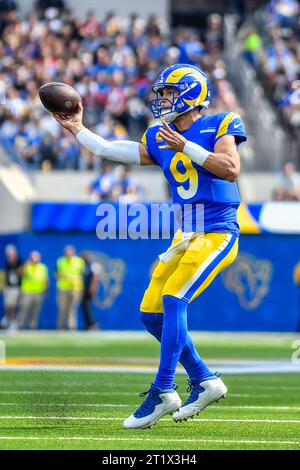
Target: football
59,98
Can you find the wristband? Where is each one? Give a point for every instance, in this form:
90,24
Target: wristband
195,152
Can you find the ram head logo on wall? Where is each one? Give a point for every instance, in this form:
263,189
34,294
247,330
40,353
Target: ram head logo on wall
110,273
249,278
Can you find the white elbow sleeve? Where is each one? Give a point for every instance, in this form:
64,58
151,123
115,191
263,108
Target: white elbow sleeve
123,151
195,152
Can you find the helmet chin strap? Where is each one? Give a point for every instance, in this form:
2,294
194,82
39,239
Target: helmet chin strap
170,117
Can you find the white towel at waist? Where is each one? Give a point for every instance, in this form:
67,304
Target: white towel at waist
177,248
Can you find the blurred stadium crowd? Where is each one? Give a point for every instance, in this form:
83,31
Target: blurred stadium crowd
26,285
272,46
112,63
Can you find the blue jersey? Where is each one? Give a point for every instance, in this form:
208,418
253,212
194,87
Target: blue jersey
196,190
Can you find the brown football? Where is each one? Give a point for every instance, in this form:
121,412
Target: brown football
59,98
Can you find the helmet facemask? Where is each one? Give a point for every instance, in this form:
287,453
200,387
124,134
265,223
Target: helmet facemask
164,108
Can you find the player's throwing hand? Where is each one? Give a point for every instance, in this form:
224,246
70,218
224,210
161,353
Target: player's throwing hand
72,122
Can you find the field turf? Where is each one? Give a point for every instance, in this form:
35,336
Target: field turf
42,409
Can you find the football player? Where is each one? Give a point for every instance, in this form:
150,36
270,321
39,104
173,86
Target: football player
198,155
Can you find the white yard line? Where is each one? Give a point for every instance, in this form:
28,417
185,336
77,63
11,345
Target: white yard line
256,407
78,384
236,368
92,405
264,386
133,394
42,392
249,395
113,405
235,420
114,334
102,418
143,439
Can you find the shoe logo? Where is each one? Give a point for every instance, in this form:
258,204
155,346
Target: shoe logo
236,125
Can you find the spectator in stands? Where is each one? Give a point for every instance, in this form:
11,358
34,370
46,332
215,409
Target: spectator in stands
69,273
252,46
282,12
111,128
90,284
88,161
126,188
214,32
114,183
289,104
26,143
34,286
191,47
8,6
288,184
11,290
42,5
102,186
67,152
48,152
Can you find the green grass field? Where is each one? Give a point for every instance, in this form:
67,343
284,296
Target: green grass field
42,409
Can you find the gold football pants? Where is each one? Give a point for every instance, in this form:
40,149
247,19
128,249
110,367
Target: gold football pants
191,271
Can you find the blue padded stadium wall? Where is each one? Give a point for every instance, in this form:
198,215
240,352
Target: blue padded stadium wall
256,294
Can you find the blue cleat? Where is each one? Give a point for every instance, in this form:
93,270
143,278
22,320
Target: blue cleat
202,394
157,404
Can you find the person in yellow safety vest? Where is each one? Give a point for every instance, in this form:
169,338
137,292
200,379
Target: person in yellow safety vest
69,274
34,285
